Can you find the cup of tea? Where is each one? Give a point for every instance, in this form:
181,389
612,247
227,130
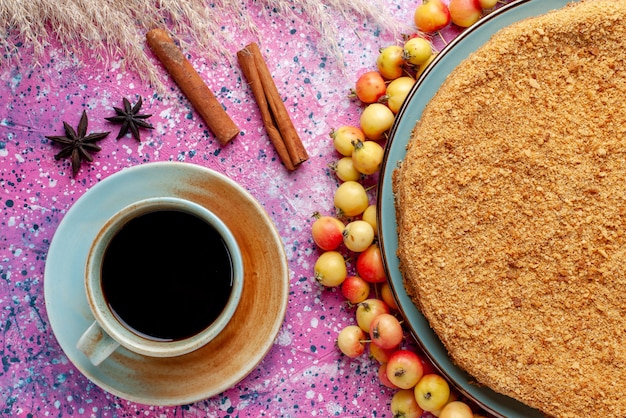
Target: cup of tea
163,277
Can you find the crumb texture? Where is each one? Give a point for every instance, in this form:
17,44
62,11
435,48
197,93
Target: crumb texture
511,205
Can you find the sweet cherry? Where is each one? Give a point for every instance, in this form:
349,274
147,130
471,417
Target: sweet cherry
465,13
384,377
375,120
358,235
431,16
370,87
404,369
344,136
456,409
432,392
386,331
390,62
330,269
350,199
369,265
380,354
355,289
488,4
403,404
351,341
368,155
327,232
367,310
387,295
397,92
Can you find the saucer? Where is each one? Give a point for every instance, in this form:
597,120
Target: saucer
225,360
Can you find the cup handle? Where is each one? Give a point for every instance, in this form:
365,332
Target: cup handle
96,344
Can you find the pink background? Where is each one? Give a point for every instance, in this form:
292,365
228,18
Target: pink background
304,374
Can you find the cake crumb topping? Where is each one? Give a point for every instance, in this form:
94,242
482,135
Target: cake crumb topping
511,207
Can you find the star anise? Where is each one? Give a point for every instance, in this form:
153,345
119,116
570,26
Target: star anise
130,118
77,144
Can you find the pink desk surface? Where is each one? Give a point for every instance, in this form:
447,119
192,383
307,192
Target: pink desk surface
304,374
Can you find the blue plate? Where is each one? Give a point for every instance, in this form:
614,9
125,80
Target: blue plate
424,89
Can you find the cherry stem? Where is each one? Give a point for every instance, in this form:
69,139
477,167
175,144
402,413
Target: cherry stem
442,38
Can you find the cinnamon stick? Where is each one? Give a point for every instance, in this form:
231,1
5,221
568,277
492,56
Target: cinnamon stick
192,85
248,67
276,120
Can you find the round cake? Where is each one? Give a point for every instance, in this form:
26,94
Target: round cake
511,208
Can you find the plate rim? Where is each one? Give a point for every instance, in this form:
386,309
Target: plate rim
266,336
496,404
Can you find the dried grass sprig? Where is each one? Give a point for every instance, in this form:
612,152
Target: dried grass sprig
117,28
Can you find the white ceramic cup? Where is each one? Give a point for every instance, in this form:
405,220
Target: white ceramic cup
107,333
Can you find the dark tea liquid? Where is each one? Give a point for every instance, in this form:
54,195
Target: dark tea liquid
167,275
